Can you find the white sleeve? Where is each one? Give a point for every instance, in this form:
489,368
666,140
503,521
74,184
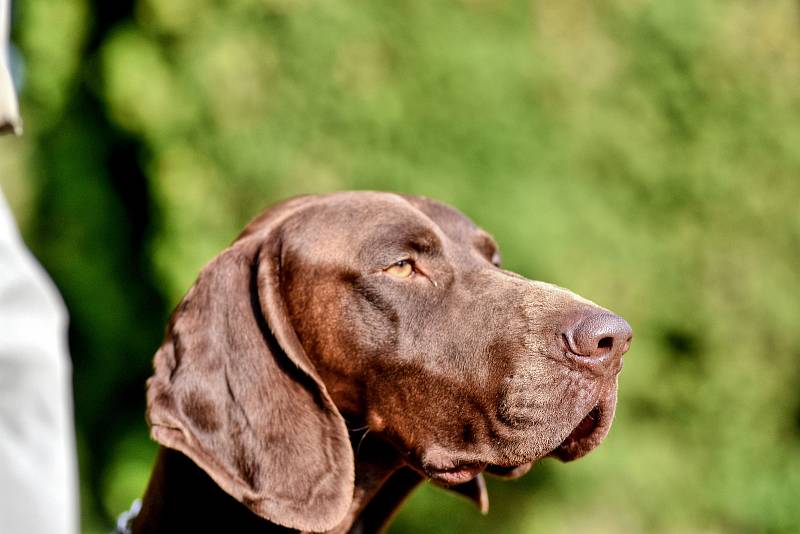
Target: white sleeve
38,475
10,120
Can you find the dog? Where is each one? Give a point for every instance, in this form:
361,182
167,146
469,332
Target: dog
346,347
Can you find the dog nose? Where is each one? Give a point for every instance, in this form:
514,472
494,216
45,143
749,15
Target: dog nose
598,339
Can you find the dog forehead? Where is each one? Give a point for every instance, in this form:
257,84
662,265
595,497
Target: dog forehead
347,219
452,222
354,220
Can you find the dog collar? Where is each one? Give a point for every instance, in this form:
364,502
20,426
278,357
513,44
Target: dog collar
126,518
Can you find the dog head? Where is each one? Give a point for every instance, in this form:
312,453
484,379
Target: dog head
389,310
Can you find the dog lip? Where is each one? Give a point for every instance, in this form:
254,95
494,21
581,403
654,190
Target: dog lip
456,475
509,471
570,448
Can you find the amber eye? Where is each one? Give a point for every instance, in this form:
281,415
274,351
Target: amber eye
401,269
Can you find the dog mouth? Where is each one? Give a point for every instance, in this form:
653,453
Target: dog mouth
456,475
587,435
584,437
509,471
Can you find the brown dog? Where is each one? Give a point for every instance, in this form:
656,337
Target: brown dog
346,346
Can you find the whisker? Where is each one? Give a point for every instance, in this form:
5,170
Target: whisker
358,448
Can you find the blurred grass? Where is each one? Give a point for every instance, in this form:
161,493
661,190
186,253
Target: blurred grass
644,154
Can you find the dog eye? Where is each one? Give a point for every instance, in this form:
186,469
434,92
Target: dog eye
401,269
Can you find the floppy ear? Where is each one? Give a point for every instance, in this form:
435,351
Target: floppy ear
234,391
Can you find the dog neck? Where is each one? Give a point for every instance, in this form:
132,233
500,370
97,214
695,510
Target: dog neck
382,483
182,497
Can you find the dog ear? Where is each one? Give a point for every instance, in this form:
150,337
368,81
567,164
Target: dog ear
234,391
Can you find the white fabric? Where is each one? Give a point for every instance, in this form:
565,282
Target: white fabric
9,110
38,475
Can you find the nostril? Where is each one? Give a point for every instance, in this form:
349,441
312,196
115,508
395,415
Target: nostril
605,343
600,336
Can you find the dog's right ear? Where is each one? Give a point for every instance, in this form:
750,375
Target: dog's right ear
234,391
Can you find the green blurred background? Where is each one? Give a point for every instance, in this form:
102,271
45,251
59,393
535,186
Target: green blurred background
643,153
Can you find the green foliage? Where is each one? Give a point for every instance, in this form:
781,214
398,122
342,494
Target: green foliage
644,154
